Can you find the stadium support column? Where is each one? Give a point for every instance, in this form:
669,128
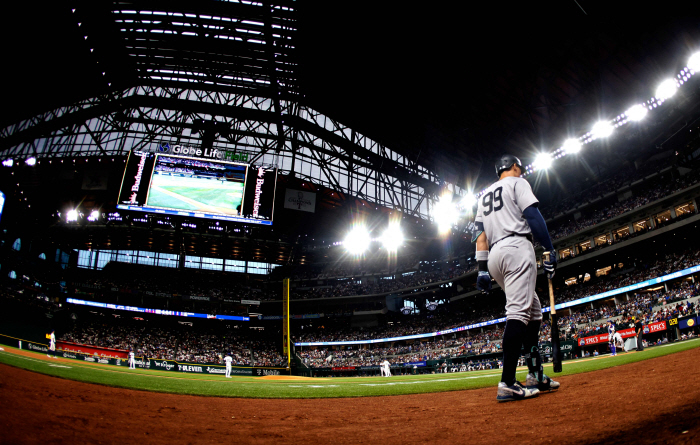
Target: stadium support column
286,350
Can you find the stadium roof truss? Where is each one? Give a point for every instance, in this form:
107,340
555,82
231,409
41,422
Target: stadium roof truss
225,80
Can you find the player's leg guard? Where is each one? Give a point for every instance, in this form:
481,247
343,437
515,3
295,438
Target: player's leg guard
612,348
534,363
531,346
512,340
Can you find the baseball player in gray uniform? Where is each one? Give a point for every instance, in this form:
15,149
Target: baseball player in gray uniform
506,220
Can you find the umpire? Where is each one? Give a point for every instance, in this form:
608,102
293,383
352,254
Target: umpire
507,217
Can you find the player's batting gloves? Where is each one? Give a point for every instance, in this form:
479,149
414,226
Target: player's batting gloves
551,265
483,282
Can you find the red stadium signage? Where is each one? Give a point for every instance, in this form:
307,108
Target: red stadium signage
91,350
343,368
603,338
654,327
625,333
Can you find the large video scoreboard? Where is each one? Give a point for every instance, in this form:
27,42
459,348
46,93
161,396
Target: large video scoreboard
197,187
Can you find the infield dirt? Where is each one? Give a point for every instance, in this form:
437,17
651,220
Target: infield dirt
653,401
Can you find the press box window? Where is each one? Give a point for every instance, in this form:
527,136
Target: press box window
662,217
604,239
688,207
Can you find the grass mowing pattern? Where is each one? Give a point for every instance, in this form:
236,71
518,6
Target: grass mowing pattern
256,387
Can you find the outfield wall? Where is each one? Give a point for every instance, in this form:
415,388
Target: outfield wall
107,358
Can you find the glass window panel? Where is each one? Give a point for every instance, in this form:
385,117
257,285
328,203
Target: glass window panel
235,266
258,268
84,259
147,258
193,262
168,260
212,263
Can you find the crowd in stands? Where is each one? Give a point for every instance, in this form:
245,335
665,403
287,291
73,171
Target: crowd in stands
649,193
584,321
428,350
396,282
175,344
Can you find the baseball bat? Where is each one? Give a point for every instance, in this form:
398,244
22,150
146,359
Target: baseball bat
556,348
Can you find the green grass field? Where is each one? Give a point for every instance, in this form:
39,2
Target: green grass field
195,194
258,387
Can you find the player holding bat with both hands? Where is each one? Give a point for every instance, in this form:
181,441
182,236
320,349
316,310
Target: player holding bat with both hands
507,219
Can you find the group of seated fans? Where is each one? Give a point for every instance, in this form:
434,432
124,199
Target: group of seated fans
582,322
649,192
180,344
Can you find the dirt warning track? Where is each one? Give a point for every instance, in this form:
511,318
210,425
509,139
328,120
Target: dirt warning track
652,401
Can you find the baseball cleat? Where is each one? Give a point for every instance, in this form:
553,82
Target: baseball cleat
546,385
516,391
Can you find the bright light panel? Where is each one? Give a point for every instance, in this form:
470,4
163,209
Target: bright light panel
636,112
694,62
72,215
392,239
8,162
469,201
445,213
572,146
94,215
602,129
666,89
31,161
543,161
357,240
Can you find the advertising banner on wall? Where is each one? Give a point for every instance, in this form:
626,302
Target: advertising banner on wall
687,323
91,350
300,200
625,333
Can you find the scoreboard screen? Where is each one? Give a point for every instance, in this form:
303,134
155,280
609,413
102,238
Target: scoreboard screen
196,187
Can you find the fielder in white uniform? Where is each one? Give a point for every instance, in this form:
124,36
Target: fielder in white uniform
228,361
617,340
387,368
52,344
132,359
506,220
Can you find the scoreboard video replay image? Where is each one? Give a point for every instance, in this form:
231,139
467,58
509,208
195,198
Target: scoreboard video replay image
203,188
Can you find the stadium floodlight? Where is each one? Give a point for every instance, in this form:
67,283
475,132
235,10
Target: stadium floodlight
72,215
445,214
543,161
666,89
94,216
8,162
636,112
31,161
357,241
469,201
602,129
694,62
571,146
393,237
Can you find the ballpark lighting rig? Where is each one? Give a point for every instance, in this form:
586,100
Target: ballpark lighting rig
635,113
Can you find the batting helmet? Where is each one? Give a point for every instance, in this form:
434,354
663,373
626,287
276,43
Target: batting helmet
505,162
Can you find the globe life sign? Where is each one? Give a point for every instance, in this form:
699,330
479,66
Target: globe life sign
207,153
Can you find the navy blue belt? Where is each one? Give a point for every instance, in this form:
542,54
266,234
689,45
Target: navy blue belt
528,236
